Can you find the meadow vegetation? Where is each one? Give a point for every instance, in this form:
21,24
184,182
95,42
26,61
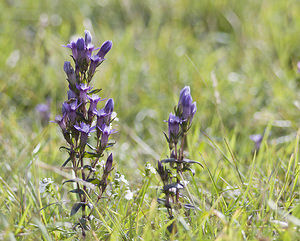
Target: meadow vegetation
239,59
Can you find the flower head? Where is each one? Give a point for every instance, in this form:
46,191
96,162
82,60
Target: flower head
257,139
108,109
106,132
70,72
186,108
105,48
173,128
108,164
94,99
85,131
83,89
69,110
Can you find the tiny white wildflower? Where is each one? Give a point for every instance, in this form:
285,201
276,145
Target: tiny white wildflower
44,183
121,178
150,168
128,195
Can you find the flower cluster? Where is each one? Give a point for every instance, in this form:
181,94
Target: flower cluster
178,127
81,117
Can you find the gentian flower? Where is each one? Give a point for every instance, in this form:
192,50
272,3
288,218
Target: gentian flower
186,108
106,132
70,72
108,164
173,128
44,111
61,122
87,38
100,117
83,89
95,62
105,48
97,59
94,99
185,91
69,109
108,109
85,131
73,47
257,139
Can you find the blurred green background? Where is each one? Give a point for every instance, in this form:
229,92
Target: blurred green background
239,57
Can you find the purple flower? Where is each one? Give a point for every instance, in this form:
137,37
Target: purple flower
108,109
95,62
61,122
173,128
186,109
106,132
44,111
105,48
70,72
94,99
162,172
257,139
69,109
108,164
87,37
83,89
85,131
82,51
73,47
100,117
185,91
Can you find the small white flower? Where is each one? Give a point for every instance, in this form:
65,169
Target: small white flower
121,178
44,183
128,195
150,168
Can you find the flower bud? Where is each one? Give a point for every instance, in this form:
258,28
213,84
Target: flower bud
70,72
105,48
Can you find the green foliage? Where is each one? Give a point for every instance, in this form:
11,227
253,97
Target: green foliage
239,57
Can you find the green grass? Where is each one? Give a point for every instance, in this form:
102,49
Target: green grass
239,57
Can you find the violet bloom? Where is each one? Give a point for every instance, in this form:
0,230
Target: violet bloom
87,37
108,164
94,99
185,91
73,47
186,107
105,48
106,132
61,122
44,111
69,110
82,51
70,72
108,109
97,59
95,62
100,117
83,89
85,131
257,139
173,128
